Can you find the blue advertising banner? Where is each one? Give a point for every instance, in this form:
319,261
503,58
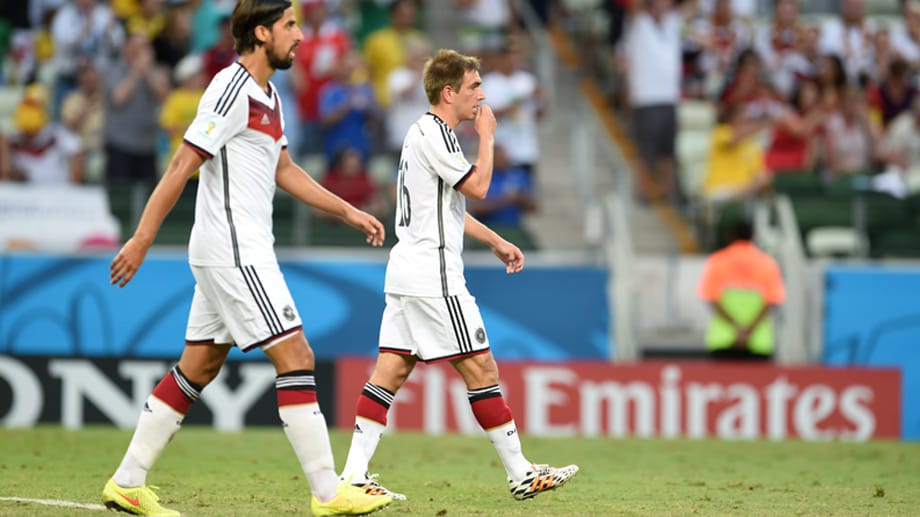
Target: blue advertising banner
64,306
872,318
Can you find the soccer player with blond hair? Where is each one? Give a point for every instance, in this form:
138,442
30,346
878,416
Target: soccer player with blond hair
430,315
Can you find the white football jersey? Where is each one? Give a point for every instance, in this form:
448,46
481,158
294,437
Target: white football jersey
430,213
239,128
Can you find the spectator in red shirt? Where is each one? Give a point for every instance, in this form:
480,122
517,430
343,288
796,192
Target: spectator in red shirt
793,144
325,43
348,178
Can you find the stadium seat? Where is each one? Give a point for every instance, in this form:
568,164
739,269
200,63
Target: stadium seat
727,216
834,241
849,183
9,100
126,201
696,115
315,165
897,243
886,219
821,211
333,233
695,120
284,221
515,234
693,157
884,212
797,183
382,169
177,226
913,204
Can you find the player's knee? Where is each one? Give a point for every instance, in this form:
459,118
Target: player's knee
202,371
210,370
399,375
292,354
478,371
392,371
389,381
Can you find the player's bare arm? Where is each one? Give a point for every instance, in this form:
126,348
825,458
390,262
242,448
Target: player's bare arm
128,260
508,253
296,182
477,186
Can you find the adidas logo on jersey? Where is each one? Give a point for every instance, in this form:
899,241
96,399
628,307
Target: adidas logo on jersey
358,429
265,120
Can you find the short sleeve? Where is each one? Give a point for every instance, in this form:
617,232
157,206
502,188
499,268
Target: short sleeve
709,288
222,114
774,290
446,156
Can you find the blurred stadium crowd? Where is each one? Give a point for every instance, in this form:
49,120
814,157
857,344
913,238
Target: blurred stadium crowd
101,91
728,101
733,100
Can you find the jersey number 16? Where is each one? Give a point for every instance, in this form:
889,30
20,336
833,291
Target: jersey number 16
404,205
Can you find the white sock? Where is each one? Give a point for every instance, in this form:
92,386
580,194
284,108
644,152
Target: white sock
305,427
155,427
364,442
507,443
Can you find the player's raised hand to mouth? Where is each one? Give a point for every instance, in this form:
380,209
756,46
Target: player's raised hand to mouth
485,120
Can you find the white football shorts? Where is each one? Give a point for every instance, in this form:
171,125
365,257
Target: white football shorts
433,329
249,306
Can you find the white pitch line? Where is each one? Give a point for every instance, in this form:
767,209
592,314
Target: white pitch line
54,502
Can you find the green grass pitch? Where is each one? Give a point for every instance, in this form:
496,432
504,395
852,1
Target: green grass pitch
254,473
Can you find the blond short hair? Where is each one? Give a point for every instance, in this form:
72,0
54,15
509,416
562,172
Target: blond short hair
446,68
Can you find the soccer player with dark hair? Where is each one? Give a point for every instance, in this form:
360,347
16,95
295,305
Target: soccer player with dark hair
430,315
241,298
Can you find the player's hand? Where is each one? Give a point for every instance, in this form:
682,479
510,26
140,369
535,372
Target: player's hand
365,222
484,123
510,255
125,265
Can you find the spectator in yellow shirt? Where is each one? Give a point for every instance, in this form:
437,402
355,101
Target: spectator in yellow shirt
148,20
385,49
736,161
181,104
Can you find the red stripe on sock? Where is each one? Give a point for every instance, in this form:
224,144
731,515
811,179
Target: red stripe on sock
295,397
168,391
491,412
372,410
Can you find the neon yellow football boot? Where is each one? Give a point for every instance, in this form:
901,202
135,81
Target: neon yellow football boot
140,500
350,500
